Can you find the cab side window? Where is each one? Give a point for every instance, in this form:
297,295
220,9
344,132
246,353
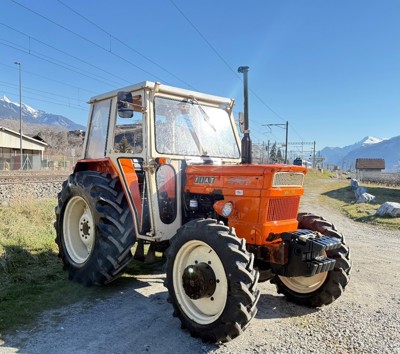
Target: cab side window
128,133
97,137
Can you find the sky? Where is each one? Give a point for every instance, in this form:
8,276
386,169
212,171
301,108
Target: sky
331,69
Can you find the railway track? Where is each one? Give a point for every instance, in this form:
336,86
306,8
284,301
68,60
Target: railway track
30,177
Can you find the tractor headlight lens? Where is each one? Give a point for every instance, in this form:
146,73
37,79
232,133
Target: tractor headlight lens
227,209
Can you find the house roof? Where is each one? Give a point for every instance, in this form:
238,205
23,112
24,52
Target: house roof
373,164
12,139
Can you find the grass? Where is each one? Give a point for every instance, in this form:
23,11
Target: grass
339,194
31,274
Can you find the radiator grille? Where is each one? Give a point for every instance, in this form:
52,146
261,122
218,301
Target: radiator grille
283,208
286,179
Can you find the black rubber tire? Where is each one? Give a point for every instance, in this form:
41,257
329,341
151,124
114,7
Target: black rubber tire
113,223
336,280
242,294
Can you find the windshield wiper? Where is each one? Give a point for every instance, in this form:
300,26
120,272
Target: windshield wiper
203,113
194,135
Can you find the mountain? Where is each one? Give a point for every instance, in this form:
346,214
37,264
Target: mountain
369,147
9,111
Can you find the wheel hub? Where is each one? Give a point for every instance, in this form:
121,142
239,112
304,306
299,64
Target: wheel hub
199,281
78,230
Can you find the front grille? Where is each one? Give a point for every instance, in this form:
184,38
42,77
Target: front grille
283,208
288,179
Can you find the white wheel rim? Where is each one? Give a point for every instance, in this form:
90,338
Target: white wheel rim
208,309
304,285
78,230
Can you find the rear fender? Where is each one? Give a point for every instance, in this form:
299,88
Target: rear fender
129,183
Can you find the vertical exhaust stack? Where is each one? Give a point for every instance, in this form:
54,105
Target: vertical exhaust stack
246,141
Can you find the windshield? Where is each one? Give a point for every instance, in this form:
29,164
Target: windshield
192,129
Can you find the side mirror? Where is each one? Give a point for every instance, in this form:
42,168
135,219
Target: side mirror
125,104
241,122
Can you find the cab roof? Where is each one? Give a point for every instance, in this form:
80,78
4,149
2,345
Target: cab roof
161,88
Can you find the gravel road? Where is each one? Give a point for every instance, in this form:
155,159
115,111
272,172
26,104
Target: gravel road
138,319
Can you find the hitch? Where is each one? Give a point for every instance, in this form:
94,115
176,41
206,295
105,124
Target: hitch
306,254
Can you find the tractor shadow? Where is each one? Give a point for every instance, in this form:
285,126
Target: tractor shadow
274,306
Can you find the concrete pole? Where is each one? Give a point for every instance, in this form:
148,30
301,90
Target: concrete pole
20,117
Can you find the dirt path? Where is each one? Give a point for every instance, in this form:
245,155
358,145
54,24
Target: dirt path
366,319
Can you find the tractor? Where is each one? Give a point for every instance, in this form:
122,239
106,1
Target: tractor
164,169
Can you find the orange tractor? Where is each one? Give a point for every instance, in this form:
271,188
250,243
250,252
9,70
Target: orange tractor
165,167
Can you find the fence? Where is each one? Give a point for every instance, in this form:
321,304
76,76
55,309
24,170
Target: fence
35,162
387,179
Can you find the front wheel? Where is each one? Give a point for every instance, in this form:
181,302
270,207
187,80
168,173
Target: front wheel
323,288
211,281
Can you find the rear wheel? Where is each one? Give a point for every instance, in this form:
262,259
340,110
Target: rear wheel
94,227
323,288
211,281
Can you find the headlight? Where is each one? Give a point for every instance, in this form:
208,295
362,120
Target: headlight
223,208
227,209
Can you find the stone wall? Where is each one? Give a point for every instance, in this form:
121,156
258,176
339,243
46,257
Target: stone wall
12,192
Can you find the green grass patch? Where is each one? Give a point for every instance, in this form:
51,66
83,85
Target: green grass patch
340,195
315,175
31,274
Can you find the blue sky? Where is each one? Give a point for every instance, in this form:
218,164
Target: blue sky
330,68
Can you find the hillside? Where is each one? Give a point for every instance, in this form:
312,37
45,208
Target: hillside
33,119
345,158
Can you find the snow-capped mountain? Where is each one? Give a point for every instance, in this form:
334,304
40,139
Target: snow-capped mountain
10,111
369,147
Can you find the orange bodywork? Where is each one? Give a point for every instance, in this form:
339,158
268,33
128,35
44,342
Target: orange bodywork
128,178
259,208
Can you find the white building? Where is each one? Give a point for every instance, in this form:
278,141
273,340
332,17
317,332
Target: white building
10,143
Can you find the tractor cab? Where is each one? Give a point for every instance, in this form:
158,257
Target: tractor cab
148,134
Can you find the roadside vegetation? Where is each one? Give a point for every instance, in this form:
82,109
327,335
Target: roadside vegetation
31,275
339,194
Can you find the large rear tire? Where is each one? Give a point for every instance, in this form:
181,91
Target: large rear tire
323,288
94,227
211,281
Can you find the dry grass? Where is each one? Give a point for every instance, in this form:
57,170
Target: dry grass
339,194
31,274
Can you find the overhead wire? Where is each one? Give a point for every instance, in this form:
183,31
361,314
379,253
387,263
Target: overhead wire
228,65
88,40
131,48
50,79
54,62
126,45
53,102
66,53
27,88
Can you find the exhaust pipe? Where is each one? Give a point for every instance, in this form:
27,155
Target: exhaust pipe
246,141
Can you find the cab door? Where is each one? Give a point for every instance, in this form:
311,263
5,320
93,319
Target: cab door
165,196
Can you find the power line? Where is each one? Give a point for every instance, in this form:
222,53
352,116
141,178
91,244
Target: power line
87,40
9,84
226,63
50,79
126,45
53,61
53,102
65,53
205,39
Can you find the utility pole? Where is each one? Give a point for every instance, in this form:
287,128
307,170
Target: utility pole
313,161
286,127
20,117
